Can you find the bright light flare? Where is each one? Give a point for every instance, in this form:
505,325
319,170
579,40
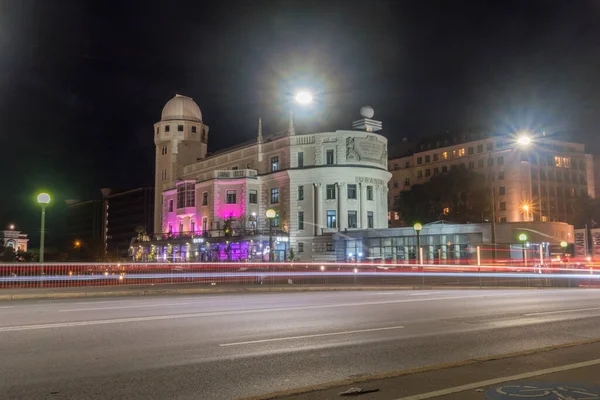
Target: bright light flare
43,198
523,140
304,97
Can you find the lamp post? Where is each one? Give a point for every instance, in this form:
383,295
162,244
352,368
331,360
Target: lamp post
564,245
43,199
417,227
270,215
523,239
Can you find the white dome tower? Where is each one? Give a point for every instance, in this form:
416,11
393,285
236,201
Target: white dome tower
181,139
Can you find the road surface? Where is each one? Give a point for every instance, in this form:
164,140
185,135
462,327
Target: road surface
235,345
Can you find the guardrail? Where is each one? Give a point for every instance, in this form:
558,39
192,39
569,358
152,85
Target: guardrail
35,275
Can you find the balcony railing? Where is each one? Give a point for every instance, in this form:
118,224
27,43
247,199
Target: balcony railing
228,174
234,233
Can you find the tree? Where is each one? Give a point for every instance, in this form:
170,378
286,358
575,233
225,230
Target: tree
8,254
460,196
292,255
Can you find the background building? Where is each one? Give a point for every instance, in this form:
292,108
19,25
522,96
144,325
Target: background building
317,184
535,181
15,239
86,233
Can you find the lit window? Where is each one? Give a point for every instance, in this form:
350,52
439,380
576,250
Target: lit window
444,155
330,192
274,164
369,192
446,210
331,219
389,216
230,197
396,215
461,152
558,161
352,219
253,197
274,196
352,191
567,162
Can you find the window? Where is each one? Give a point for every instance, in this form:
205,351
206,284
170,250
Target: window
427,172
419,160
163,174
369,192
470,151
567,162
300,220
300,159
407,164
471,164
396,216
558,161
193,129
180,196
180,227
234,168
489,146
370,219
395,167
300,192
230,197
253,196
352,191
330,192
329,160
480,163
502,206
479,148
427,159
204,224
490,162
190,194
501,190
179,128
170,205
164,150
461,152
300,247
193,226
444,155
500,175
274,164
205,198
352,219
395,184
406,182
502,220
275,196
331,219
420,173
167,128
329,247
436,171
436,157
170,228
275,221
444,169
446,210
501,160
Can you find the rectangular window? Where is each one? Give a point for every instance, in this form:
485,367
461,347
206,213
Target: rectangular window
352,191
444,169
204,224
502,206
180,227
436,171
180,196
329,157
370,219
274,196
395,184
190,195
567,162
480,148
419,160
193,129
369,192
396,216
500,175
205,198
501,160
470,151
461,152
502,220
170,205
420,173
331,219
179,128
436,157
253,196
352,219
275,221
300,247
300,220
234,168
480,163
300,192
170,228
444,155
300,159
230,197
167,128
471,164
427,172
330,192
427,159
490,162
407,164
558,161
406,182
501,190
329,246
274,164
489,146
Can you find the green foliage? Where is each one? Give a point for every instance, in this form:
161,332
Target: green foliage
292,255
464,194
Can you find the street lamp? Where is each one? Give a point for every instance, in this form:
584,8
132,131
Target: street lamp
523,140
526,209
564,245
304,97
523,239
417,227
270,215
43,199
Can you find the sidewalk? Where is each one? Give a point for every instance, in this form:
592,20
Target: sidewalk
172,289
564,372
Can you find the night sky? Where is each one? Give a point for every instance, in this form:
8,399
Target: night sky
82,82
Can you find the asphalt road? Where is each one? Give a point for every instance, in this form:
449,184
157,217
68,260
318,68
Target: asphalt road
234,345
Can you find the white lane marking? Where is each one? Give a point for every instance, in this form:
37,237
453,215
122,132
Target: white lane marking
561,311
221,313
490,382
123,307
7,306
98,302
311,336
423,294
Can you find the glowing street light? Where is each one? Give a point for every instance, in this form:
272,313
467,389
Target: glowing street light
77,244
43,199
564,245
304,97
524,140
417,227
270,215
523,239
526,208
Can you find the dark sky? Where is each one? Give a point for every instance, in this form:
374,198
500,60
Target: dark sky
82,82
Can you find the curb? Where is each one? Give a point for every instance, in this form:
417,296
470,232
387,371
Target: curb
264,289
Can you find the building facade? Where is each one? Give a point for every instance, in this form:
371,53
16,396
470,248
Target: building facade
214,207
14,239
535,181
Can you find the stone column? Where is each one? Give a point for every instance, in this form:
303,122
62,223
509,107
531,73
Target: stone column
359,210
316,208
342,208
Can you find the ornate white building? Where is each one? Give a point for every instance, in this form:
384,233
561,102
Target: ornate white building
213,207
